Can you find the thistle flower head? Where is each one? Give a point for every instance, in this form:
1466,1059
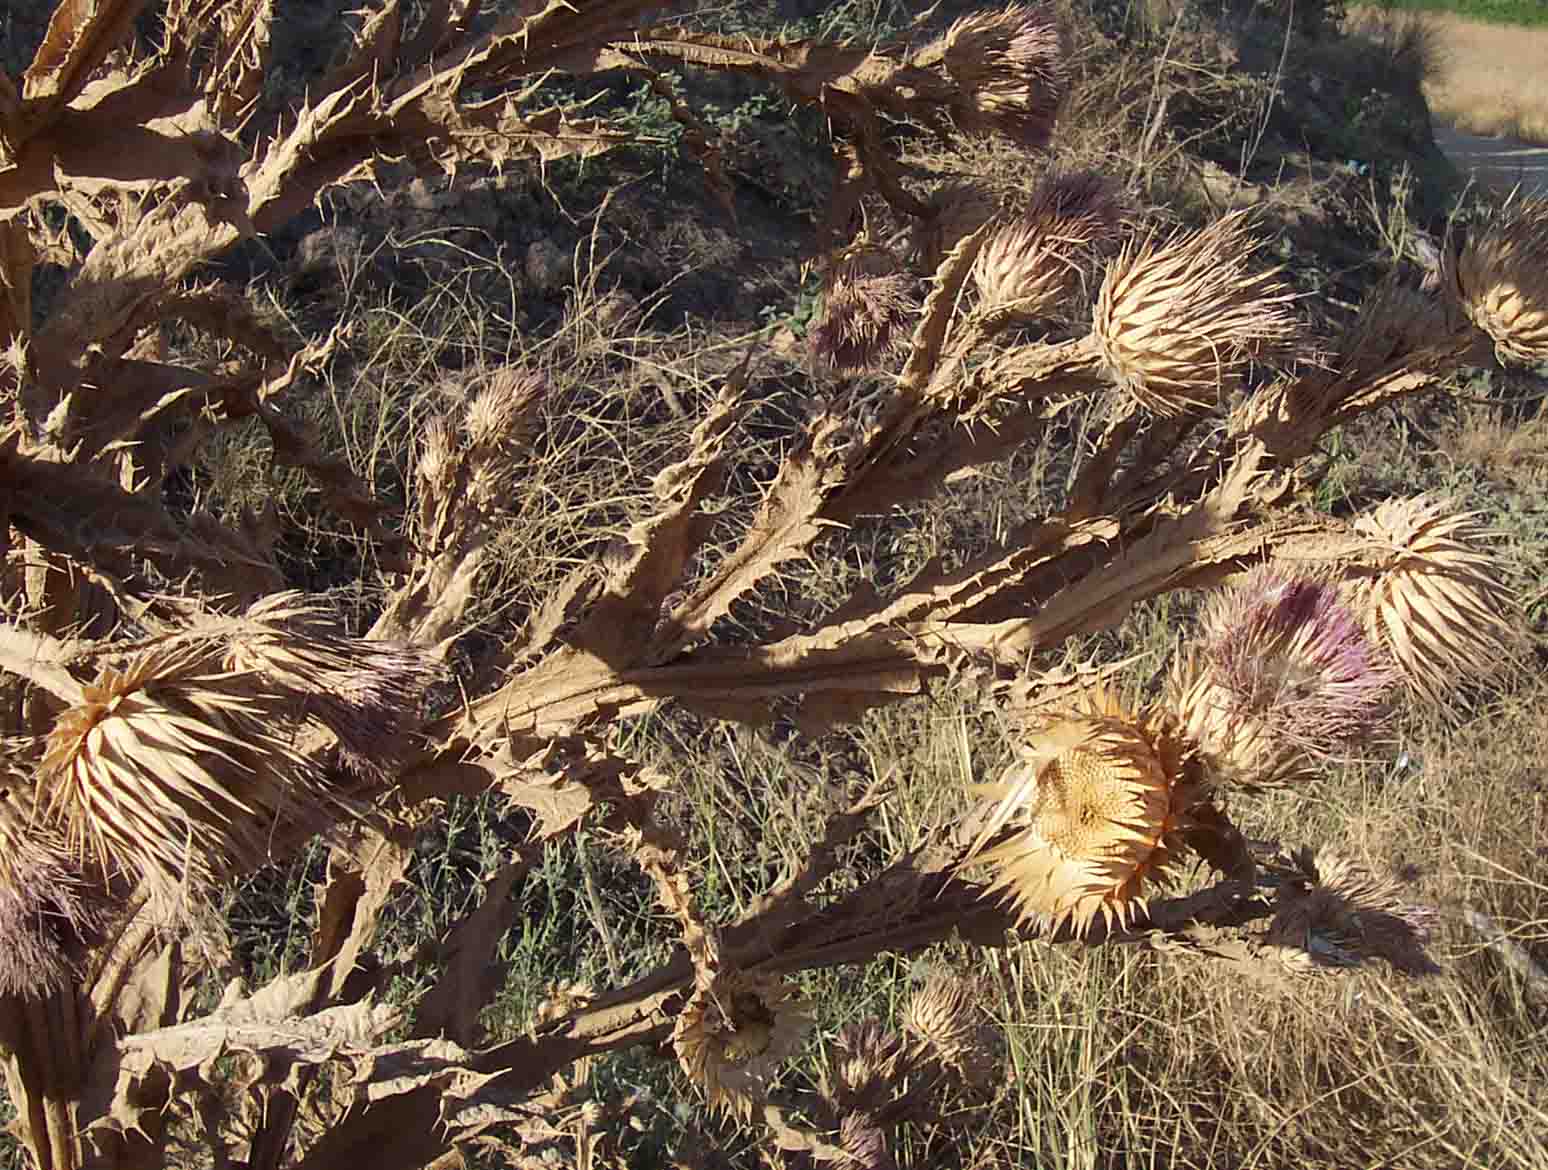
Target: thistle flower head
1439,606
362,690
43,910
1235,746
868,1061
734,1033
501,410
177,769
1013,67
862,1138
1288,652
1178,321
1337,913
1502,283
1098,801
867,304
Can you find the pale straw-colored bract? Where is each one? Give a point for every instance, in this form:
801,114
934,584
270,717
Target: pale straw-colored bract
1502,281
1440,605
1179,320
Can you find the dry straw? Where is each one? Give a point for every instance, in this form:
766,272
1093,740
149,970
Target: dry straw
1439,605
734,1033
1179,320
1502,281
1097,804
178,769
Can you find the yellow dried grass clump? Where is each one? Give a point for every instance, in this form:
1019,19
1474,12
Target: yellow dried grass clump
1439,606
1179,320
1098,800
176,769
1503,283
735,1032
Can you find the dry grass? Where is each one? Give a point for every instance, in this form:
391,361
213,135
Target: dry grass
1486,78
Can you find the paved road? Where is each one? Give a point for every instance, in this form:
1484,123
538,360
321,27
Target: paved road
1497,162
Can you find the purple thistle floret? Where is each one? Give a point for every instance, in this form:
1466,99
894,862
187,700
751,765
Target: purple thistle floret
1291,653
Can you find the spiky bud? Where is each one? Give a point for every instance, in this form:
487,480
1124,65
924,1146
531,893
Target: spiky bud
501,410
1289,653
734,1033
868,1061
1178,321
362,690
1439,606
1013,68
1099,800
866,306
43,909
178,769
1502,282
862,1138
1235,747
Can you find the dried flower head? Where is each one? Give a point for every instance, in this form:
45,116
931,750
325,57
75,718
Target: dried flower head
868,1062
955,212
1178,321
735,1032
1337,913
501,411
1099,800
943,1014
1439,606
862,1138
362,690
43,913
1013,68
178,769
1234,746
1287,651
867,304
1503,284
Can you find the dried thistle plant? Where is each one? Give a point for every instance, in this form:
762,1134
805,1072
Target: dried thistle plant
1331,911
867,303
175,768
1439,605
1013,67
734,1033
44,912
1098,804
1500,280
1288,652
1178,320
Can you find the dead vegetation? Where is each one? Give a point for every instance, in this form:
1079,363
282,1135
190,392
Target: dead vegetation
179,715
